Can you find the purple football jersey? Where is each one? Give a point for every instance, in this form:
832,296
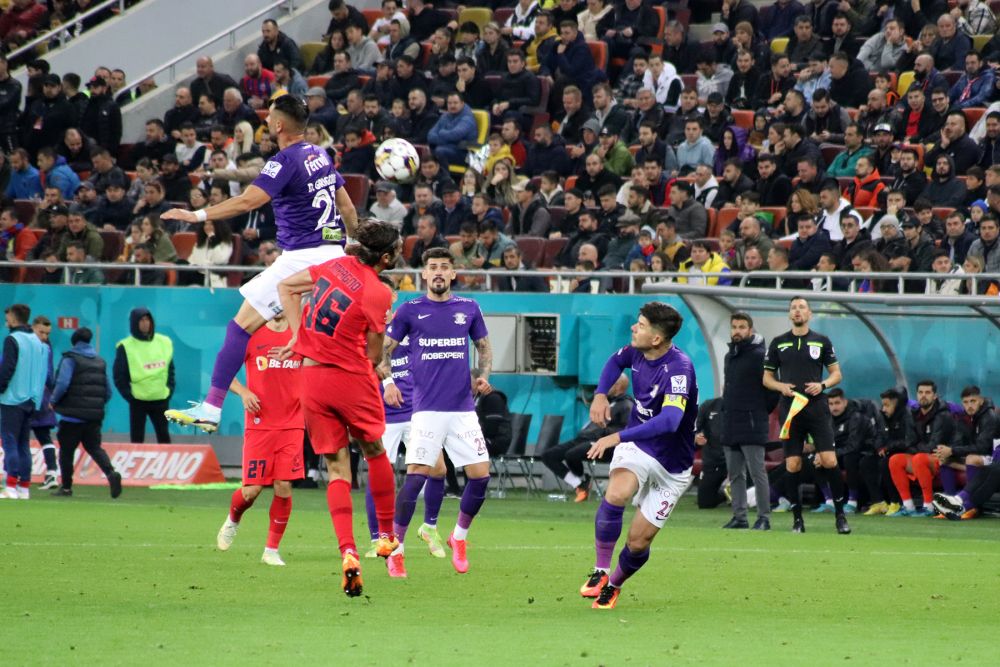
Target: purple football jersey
439,333
403,380
303,187
667,381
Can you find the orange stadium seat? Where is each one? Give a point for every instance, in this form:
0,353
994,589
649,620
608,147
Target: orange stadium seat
599,51
184,243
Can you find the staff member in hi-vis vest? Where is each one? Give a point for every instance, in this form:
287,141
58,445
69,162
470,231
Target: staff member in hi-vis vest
144,375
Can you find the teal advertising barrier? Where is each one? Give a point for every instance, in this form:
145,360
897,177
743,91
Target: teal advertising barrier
950,348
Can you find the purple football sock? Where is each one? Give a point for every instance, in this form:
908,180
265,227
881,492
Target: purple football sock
227,363
628,564
970,474
370,510
949,483
472,499
433,497
966,498
607,530
406,501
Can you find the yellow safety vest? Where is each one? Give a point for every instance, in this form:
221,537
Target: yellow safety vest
149,366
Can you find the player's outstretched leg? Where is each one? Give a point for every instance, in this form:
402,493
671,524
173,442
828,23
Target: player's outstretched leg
607,530
406,503
205,415
633,556
241,501
281,510
433,497
472,500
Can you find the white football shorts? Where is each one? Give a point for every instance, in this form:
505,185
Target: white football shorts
458,433
262,291
394,435
659,490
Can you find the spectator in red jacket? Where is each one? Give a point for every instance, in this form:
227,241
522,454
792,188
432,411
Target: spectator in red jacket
867,186
15,238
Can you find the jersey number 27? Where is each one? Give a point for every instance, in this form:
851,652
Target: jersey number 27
328,307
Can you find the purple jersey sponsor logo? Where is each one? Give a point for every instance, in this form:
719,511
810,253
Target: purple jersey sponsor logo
303,184
403,379
439,334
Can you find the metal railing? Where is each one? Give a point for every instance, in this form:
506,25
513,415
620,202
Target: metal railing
171,66
62,34
843,284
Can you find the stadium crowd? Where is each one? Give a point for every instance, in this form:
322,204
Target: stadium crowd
842,136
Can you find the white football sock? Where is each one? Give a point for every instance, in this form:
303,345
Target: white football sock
572,480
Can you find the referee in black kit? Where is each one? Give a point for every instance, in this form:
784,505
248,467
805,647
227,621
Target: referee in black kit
799,357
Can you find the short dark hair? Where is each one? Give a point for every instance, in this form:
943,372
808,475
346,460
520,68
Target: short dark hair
436,253
836,392
72,79
821,95
468,227
928,383
663,317
81,335
42,320
741,316
971,390
21,312
293,109
606,190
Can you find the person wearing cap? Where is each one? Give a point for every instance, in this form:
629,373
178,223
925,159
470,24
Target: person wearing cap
625,238
717,119
891,245
55,228
919,255
48,116
722,45
386,207
102,119
616,156
690,217
85,199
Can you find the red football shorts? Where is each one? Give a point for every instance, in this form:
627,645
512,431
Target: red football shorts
337,404
272,455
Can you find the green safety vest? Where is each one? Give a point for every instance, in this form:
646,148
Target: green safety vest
149,366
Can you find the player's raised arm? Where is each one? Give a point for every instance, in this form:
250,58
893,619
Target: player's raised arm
250,199
348,212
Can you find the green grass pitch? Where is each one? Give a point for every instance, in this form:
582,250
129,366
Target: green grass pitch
92,581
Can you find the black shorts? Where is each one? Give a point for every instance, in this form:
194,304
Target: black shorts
816,421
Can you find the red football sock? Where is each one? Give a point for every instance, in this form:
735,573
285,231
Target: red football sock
901,480
238,505
12,482
281,509
338,499
25,484
382,482
925,468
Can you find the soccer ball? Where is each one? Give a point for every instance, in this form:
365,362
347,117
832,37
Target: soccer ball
397,160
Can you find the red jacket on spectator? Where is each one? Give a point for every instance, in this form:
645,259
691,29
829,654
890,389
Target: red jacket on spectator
864,193
18,240
26,20
261,86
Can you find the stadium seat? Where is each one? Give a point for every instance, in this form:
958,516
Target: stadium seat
114,242
501,14
952,76
261,114
712,214
195,179
556,215
483,129
408,244
779,44
317,81
184,243
548,436
357,186
830,151
570,182
599,51
494,81
904,82
532,248
478,15
24,209
552,249
546,84
972,115
309,51
690,80
425,54
743,118
372,14
723,219
942,212
778,212
519,425
234,278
